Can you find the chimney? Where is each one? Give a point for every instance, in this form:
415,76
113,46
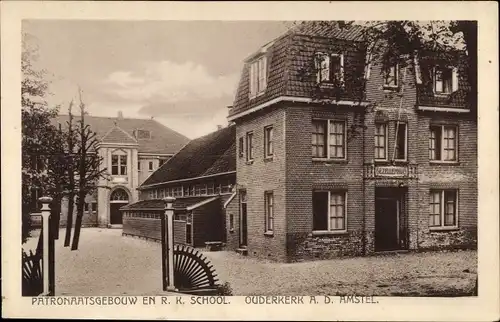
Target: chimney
120,115
219,127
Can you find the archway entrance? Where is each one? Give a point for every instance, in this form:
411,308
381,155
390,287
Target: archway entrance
118,199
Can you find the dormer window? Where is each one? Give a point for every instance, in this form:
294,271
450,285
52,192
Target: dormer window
258,76
330,68
445,80
143,134
391,77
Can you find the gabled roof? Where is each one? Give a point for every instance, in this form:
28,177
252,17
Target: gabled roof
118,135
163,139
208,155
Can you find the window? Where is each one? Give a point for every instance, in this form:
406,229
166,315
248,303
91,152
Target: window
90,207
268,142
400,141
391,76
328,139
380,141
143,134
443,143
187,191
330,68
118,164
161,162
150,165
231,222
269,204
329,211
443,208
210,189
241,147
445,80
258,76
249,146
177,191
138,165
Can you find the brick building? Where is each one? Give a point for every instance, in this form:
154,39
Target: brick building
337,156
132,149
201,176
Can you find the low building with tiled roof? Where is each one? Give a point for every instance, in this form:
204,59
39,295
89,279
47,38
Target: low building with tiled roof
132,149
201,176
339,156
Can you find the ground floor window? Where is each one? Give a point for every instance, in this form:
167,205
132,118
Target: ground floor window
443,208
269,204
329,210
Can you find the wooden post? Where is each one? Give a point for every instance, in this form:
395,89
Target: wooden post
45,231
163,253
169,218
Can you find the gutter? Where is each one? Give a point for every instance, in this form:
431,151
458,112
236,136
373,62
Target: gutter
183,180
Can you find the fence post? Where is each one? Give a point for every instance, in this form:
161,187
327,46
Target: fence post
169,219
45,231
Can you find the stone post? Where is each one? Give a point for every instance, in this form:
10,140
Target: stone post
45,238
169,219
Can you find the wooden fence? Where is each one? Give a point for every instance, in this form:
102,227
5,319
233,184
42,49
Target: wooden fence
147,224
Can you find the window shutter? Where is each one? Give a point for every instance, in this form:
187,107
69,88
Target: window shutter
454,79
252,80
417,71
342,68
264,73
323,67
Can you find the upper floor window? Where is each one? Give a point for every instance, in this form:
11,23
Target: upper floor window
268,142
329,68
380,141
249,146
139,165
443,208
328,139
443,143
445,80
161,162
143,134
391,76
329,210
150,164
241,147
258,76
400,138
118,164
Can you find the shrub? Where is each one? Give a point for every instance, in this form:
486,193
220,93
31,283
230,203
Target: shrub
224,289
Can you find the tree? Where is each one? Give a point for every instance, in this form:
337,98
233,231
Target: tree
89,169
71,140
38,134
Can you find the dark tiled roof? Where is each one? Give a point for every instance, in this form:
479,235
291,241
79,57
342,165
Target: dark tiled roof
207,155
179,204
117,135
290,63
163,140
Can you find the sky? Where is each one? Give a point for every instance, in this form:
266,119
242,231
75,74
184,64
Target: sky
182,73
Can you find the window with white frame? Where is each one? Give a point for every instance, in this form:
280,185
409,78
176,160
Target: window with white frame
210,189
329,210
391,76
445,80
380,141
443,208
328,139
443,143
329,68
269,210
268,142
177,191
249,146
187,191
119,164
400,138
258,76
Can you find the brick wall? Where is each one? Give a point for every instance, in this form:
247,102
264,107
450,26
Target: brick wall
260,176
232,235
148,226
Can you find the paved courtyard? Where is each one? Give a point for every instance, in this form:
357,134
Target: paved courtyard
108,264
